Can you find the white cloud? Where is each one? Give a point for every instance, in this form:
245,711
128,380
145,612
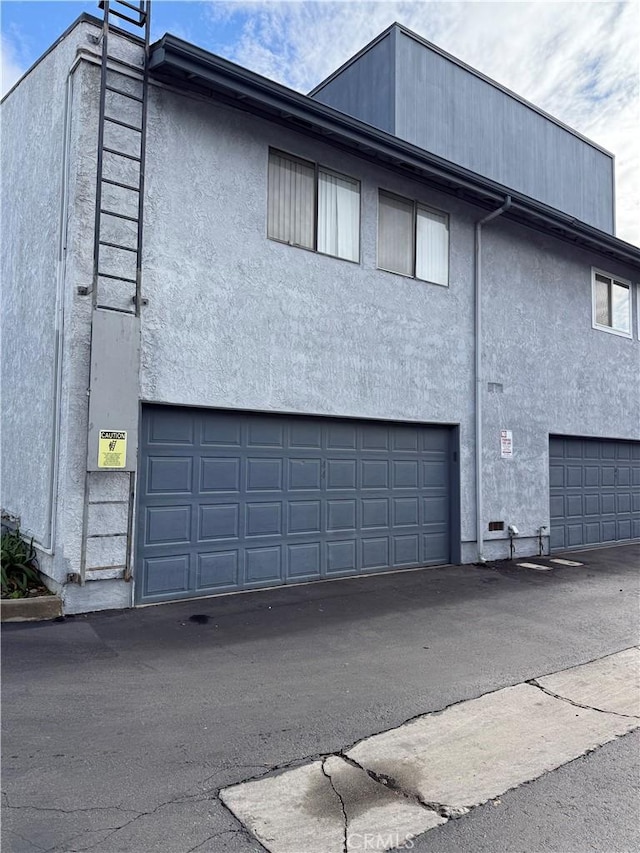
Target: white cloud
578,61
10,68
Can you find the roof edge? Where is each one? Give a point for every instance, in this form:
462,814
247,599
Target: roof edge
470,69
187,65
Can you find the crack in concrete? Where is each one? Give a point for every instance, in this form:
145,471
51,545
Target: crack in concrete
535,683
325,772
442,809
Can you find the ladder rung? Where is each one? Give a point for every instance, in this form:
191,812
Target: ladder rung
120,184
123,93
116,277
121,154
123,123
136,7
119,215
118,246
138,23
138,68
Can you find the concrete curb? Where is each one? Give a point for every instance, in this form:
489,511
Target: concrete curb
38,609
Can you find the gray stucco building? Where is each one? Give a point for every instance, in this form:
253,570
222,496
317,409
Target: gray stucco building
361,330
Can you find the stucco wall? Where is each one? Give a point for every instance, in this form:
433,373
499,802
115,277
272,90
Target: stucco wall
32,162
237,321
558,374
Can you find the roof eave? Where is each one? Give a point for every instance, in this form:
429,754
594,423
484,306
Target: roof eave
191,67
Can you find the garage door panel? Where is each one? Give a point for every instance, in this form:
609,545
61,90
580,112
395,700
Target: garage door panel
375,438
219,474
375,552
341,473
263,519
624,529
341,515
263,565
374,474
592,498
406,439
341,437
375,513
341,557
305,435
164,575
591,475
218,521
435,546
405,474
305,475
239,501
169,475
304,561
406,550
217,571
264,475
304,516
574,506
170,427
219,430
406,512
168,524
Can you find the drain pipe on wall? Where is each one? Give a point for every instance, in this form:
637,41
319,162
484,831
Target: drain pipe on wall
477,282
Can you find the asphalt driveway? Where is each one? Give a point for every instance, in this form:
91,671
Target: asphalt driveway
119,728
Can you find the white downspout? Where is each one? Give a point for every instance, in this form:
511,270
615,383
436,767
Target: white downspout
478,369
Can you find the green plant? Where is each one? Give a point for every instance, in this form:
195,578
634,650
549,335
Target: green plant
18,565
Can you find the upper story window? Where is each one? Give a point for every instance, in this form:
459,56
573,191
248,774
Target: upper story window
313,207
413,239
611,303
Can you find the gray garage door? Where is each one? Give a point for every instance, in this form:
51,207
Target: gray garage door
595,491
231,501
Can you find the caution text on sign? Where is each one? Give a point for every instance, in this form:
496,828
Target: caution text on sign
112,448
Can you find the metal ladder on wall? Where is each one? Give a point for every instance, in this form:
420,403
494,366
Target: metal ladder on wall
117,251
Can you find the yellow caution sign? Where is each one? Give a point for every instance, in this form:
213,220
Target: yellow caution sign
112,448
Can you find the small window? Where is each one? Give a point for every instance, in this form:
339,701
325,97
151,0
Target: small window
312,207
611,304
413,240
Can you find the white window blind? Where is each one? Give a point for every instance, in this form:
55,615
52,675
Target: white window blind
291,201
395,234
621,307
338,216
432,246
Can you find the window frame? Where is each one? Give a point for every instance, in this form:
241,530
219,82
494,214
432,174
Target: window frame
414,226
317,168
623,282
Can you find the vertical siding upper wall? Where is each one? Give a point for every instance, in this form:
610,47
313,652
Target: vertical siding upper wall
449,111
365,88
403,86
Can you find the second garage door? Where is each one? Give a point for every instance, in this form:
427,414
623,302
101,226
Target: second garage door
231,501
594,491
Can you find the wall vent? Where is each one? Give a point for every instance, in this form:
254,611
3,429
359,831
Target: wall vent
496,525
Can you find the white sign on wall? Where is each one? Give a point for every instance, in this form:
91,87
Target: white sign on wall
506,443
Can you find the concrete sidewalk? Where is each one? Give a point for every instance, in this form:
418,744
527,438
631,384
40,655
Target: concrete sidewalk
121,728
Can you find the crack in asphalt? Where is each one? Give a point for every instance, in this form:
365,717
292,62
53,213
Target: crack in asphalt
535,683
215,835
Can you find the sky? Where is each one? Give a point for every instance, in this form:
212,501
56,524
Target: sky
579,61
